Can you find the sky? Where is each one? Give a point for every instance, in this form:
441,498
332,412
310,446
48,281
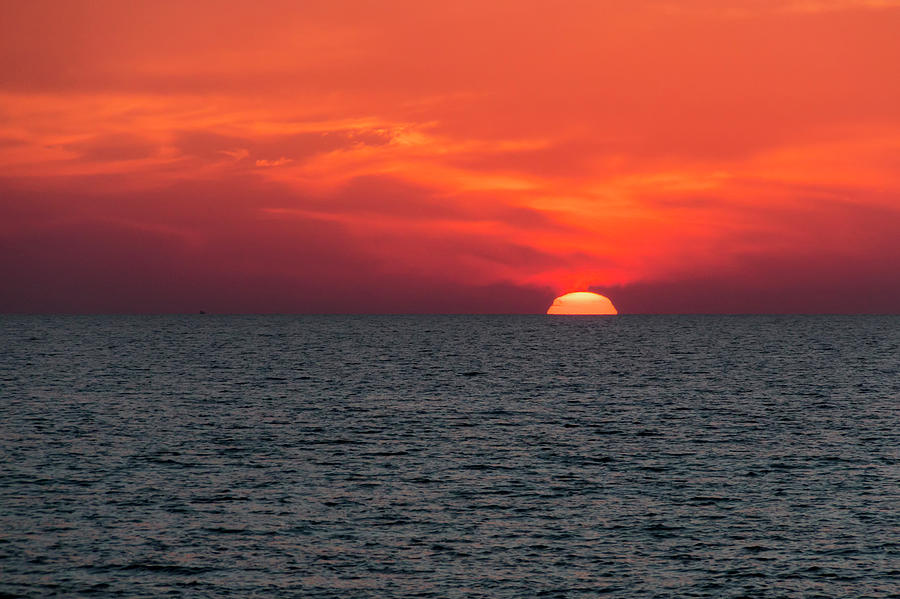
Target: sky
483,156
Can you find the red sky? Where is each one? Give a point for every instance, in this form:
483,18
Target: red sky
466,156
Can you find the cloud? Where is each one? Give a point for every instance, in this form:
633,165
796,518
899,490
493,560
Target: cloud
272,149
821,6
825,283
208,246
280,162
113,147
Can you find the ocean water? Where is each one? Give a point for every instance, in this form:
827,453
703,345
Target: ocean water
450,456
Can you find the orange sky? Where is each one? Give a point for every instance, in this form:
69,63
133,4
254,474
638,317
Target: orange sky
483,156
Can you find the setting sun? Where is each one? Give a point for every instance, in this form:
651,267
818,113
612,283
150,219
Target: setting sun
583,303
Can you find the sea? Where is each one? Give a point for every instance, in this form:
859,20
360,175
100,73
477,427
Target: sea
449,456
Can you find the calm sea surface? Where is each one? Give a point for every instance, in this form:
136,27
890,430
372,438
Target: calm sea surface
450,456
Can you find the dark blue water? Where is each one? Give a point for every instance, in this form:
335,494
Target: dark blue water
454,456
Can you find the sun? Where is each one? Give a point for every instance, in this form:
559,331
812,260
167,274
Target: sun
582,302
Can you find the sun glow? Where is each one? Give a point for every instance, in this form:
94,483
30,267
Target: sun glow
582,302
